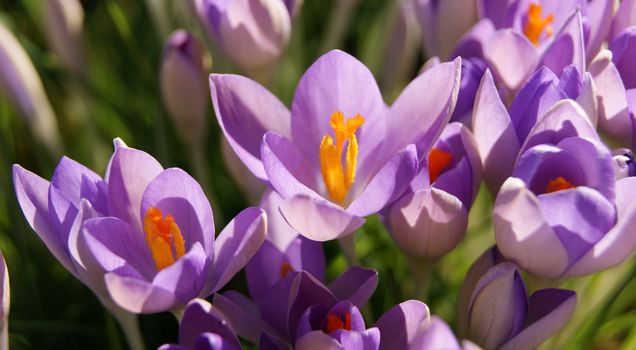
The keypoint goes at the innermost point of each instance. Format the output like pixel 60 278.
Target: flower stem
pixel 421 271
pixel 130 325
pixel 348 246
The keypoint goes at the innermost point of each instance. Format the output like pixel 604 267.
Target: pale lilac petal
pixel 444 22
pixel 388 184
pixel 567 46
pixel 400 324
pixel 588 99
pixel 131 171
pixel 138 296
pixel 496 139
pixel 317 340
pixel 305 254
pixel 437 336
pixel 62 213
pixel 511 56
pixel 201 317
pixel 549 311
pixel 502 13
pixel 178 194
pixel 245 111
pixel 521 231
pixel 473 43
pixel 236 245
pixel 364 340
pixel 278 231
pixel 319 220
pixel 428 223
pixel 599 16
pixel 357 284
pixel 67 178
pixel 242 314
pixel 625 17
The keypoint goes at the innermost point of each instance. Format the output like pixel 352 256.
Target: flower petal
pixel 242 313
pixel 400 324
pixel 278 231
pixel 357 284
pixel 511 56
pixel 437 336
pixel 567 47
pixel 317 340
pixel 201 317
pixel 245 111
pixel 67 178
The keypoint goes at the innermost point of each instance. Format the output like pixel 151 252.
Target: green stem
pixel 178 314
pixel 421 271
pixel 338 23
pixel 130 325
pixel 348 246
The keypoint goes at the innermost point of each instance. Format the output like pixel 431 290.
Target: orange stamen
pixel 438 160
pixel 285 269
pixel 558 184
pixel 163 237
pixel 537 25
pixel 334 322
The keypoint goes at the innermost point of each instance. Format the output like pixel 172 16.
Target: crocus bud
pixel 444 23
pixel 64 22
pixel 431 221
pixel 496 313
pixel 183 85
pixel 624 163
pixel 252 33
pixel 21 83
pixel 6 301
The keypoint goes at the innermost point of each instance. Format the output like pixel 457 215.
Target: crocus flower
pixel 5 297
pixel 495 311
pixel 282 252
pixel 64 26
pixel 432 220
pixel 275 318
pixel 252 33
pixel 183 86
pixel 20 82
pixel 142 238
pixel 338 327
pixel 337 110
pixel 562 200
pixel 204 327
pixel 444 22
pixel 500 132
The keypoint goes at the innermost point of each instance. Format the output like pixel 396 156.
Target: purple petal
pixel 138 296
pixel 270 342
pixel 437 336
pixel 494 134
pixel 588 98
pixel 245 111
pixel 306 291
pixel 319 220
pixel 264 269
pixel 521 230
pixel 67 178
pixel 278 231
pixel 625 17
pixel 502 13
pixel 357 284
pixel 473 42
pixel 242 314
pixel 428 223
pixel 443 23
pixel 336 82
pixel 387 185
pixel 567 46
pixel 344 307
pixel 400 324
pixel 317 340
pixel 130 173
pixel 548 311
pixel 623 48
pixel 201 317
pixel 210 341
pixel 312 319
pixel 364 340
pixel 599 16
pixel 176 193
pixel 236 245
pixel 305 254
pixel 511 56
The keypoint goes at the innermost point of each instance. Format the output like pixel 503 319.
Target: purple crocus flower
pixel 204 327
pixel 142 238
pixel 430 221
pixel 337 110
pixel 64 25
pixel 562 199
pixel 275 318
pixel 283 251
pixel 501 132
pixel 338 327
pixel 252 33
pixel 495 312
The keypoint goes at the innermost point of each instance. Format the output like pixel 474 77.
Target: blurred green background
pixel 120 97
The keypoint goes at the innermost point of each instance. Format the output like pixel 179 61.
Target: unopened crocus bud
pixel 252 33
pixel 431 221
pixel 64 23
pixel 21 83
pixel 183 86
pixel 444 23
pixel 6 301
pixel 496 313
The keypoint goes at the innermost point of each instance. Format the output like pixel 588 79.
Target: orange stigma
pixel 438 160
pixel 558 184
pixel 537 25
pixel 338 178
pixel 163 237
pixel 285 269
pixel 334 322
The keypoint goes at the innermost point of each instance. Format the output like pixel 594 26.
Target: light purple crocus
pixel 501 132
pixel 142 238
pixel 337 109
pixel 64 22
pixel 430 221
pixel 495 311
pixel 563 201
pixel 282 252
pixel 182 78
pixel 204 327
pixel 252 33
pixel 273 321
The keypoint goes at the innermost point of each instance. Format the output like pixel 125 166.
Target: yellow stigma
pixel 163 237
pixel 339 179
pixel 536 25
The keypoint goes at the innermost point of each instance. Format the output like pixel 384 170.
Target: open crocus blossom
pixel 204 327
pixel 252 33
pixel 275 318
pixel 563 200
pixel 142 238
pixel 495 312
pixel 341 154
pixel 430 221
